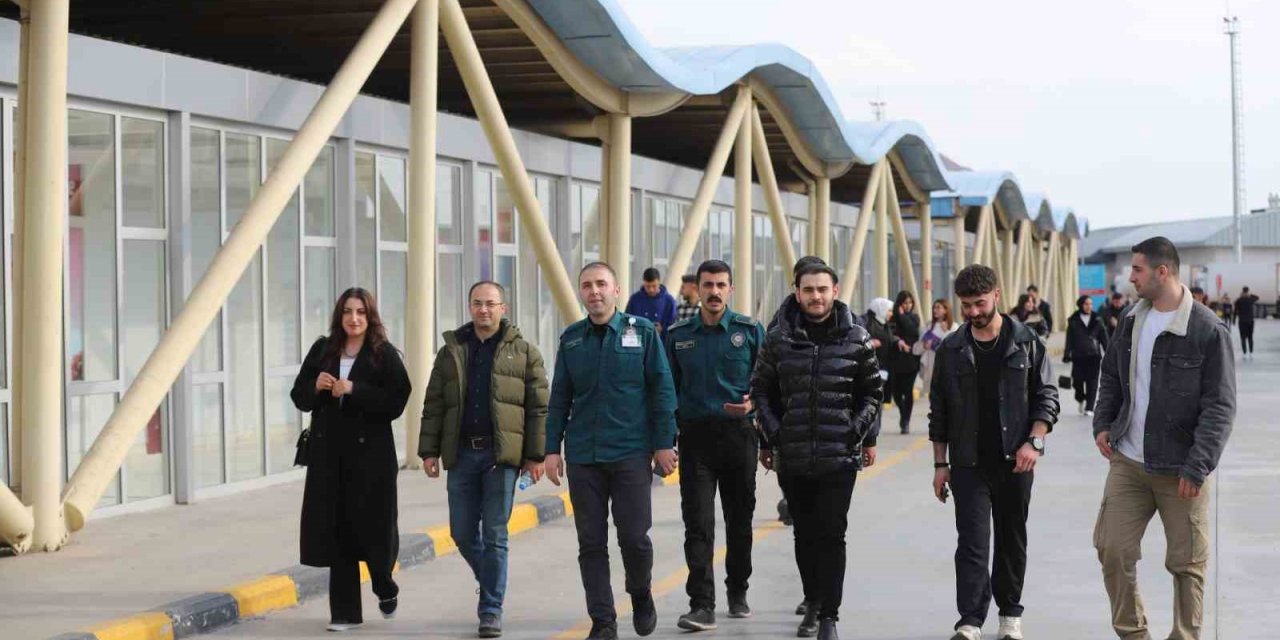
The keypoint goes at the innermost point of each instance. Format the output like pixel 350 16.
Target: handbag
pixel 1064 382
pixel 301 457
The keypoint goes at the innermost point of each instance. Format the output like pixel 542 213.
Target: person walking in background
pixel 1200 296
pixel 904 364
pixel 354 384
pixel 1228 310
pixel 484 420
pixel 1028 313
pixel 712 356
pixel 818 390
pixel 992 406
pixel 1117 307
pixel 1165 410
pixel 876 321
pixel 689 299
pixel 652 302
pixel 941 324
pixel 1042 305
pixel 1086 342
pixel 1244 307
pixel 612 410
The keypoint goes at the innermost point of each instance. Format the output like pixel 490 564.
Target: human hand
pixel 431 466
pixel 868 456
pixel 875 344
pixel 664 461
pixel 324 382
pixel 741 409
pixel 554 466
pixel 534 469
pixel 1104 444
pixel 1187 489
pixel 341 388
pixel 941 478
pixel 766 459
pixel 1026 458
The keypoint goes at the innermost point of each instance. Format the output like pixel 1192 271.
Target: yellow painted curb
pixel 672 479
pixel 144 626
pixel 442 540
pixel 568 504
pixel 264 595
pixel 523 518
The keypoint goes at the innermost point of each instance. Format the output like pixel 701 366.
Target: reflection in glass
pixel 142 173
pixel 391 295
pixel 86 416
pixel 320 293
pixel 142 324
pixel 448 205
pixel 91 279
pixel 283 424
pixel 449 293
pixel 366 223
pixel 317 188
pixel 284 322
pixel 244 375
pixel 206 405
pixel 392 199
pixel 206 233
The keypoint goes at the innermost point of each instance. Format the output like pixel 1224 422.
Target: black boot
pixel 827 630
pixel 738 607
pixel 802 608
pixel 602 631
pixel 809 625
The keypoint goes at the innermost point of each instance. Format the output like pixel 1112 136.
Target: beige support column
pixel 900 239
pixel 926 255
pixel 980 238
pixel 618 238
pixel 1050 273
pixel 743 224
pixel 19 215
pixel 44 222
pixel 602 216
pixel 1006 255
pixel 696 220
pixel 484 100
pixel 958 236
pixel 772 195
pixel 109 449
pixel 822 219
pixel 882 237
pixel 16 522
pixel 853 265
pixel 1020 255
pixel 424 74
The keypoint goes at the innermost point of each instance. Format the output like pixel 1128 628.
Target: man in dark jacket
pixel 485 417
pixel 1165 409
pixel 1086 340
pixel 652 302
pixel 1114 311
pixel 992 403
pixel 1244 318
pixel 818 389
pixel 1042 305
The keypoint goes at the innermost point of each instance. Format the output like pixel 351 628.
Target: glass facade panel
pixel 392 201
pixel 391 294
pixel 448 205
pixel 317 189
pixel 483 198
pixel 450 292
pixel 4 442
pixel 86 416
pixel 284 321
pixel 207 440
pixel 142 324
pixel 366 222
pixel 243 172
pixel 284 422
pixel 91 276
pixel 142 172
pixel 206 232
pixel 320 295
pixel 244 375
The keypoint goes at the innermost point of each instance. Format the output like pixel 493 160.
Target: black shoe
pixel 827 630
pixel 802 608
pixel 809 626
pixel 784 513
pixel 738 607
pixel 905 429
pixel 388 607
pixel 490 625
pixel 603 631
pixel 699 619
pixel 644 615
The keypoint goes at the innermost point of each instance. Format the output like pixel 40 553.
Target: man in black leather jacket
pixel 992 402
pixel 817 390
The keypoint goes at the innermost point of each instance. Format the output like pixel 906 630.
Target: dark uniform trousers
pixel 986 494
pixel 717 454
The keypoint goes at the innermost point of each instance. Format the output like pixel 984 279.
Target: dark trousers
pixel 627 485
pixel 717 454
pixel 1246 336
pixel 344 573
pixel 820 515
pixel 1084 377
pixel 902 386
pixel 984 495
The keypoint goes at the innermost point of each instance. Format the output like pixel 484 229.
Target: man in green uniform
pixel 612 408
pixel 712 355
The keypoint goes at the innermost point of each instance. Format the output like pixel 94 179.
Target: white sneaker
pixel 1082 409
pixel 1010 628
pixel 1088 414
pixel 341 626
pixel 967 632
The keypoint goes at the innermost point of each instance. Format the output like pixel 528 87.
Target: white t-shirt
pixel 1131 444
pixel 344 367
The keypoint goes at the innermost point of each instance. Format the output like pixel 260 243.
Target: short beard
pixel 983 321
pixel 817 319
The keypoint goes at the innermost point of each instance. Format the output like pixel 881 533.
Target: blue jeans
pixel 481 493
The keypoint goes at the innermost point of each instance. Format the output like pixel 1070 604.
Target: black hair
pixel 903 296
pixel 806 261
pixel 714 266
pixel 1032 287
pixel 1195 290
pixel 688 278
pixel 502 292
pixel 975 280
pixel 1244 291
pixel 1159 252
pixel 651 275
pixel 813 268
pixel 598 265
pixel 1117 296
pixel 1080 302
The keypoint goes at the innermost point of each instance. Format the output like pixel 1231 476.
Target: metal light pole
pixel 1237 136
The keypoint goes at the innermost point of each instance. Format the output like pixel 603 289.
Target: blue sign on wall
pixel 1093 283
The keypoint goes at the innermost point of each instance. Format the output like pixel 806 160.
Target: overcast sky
pixel 1119 108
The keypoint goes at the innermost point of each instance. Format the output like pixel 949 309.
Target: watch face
pixel 1037 444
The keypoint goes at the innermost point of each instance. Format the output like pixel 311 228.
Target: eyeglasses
pixel 485 304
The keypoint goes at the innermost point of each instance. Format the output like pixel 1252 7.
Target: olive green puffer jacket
pixel 518 393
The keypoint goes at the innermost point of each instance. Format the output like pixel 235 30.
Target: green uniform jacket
pixel 518 395
pixel 611 399
pixel 712 365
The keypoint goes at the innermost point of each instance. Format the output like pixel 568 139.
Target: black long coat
pixel 349 505
pixel 905 327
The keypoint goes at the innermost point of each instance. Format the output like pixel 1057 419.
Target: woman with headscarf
pixel 876 322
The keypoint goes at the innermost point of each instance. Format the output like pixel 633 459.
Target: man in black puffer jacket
pixel 817 388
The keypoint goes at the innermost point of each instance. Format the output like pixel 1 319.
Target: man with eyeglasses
pixel 485 419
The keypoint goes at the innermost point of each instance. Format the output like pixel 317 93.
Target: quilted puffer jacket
pixel 817 402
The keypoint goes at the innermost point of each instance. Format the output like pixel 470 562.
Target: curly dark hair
pixel 975 280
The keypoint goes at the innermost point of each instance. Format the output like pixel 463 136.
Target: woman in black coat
pixel 904 365
pixel 1086 341
pixel 354 384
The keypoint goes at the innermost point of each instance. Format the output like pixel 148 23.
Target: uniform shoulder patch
pixel 747 320
pixel 683 323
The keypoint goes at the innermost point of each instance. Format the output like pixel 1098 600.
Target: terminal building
pixel 541 135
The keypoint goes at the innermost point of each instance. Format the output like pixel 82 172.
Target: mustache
pixel 715 299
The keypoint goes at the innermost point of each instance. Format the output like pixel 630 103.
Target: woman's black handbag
pixel 300 458
pixel 1064 382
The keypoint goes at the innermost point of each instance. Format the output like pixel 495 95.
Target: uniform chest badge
pixel 738 339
